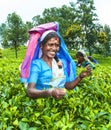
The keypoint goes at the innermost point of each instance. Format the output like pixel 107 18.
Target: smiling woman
pixel 45 72
pixel 52 69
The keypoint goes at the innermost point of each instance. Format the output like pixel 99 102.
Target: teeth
pixel 52 52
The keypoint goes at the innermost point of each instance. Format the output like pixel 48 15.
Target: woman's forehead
pixel 54 39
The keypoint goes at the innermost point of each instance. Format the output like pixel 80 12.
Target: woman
pixel 48 76
pixel 83 60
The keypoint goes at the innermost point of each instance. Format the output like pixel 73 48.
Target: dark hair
pixel 49 36
pixel 57 60
pixel 79 54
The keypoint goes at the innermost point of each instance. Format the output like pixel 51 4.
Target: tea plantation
pixel 86 108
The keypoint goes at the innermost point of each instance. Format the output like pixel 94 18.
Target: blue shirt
pixel 41 74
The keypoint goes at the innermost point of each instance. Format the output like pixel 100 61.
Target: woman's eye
pixel 50 44
pixel 57 45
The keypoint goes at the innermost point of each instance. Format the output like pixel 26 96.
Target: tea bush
pixel 88 107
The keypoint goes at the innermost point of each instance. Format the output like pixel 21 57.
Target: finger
pixel 89 73
pixel 59 96
pixel 89 70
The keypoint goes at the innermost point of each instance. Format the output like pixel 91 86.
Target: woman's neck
pixel 48 61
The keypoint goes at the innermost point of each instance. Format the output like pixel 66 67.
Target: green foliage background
pixel 88 107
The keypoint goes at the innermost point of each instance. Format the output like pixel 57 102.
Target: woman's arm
pixel 56 92
pixel 71 85
pixel 32 92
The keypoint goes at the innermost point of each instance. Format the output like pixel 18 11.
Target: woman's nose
pixel 54 47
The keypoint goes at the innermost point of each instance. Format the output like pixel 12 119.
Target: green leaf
pixel 47 119
pixel 15 122
pixel 32 128
pixel 55 116
pixel 25 120
pixel 9 128
pixel 23 126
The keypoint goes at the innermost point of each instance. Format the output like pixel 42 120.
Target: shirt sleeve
pixel 34 72
pixel 88 63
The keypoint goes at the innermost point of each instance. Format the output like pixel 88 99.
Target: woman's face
pixel 50 49
pixel 80 59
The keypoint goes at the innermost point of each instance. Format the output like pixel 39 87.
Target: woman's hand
pixel 86 73
pixel 58 92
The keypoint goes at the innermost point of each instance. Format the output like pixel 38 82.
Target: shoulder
pixel 85 63
pixel 89 63
pixel 36 64
pixel 40 64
